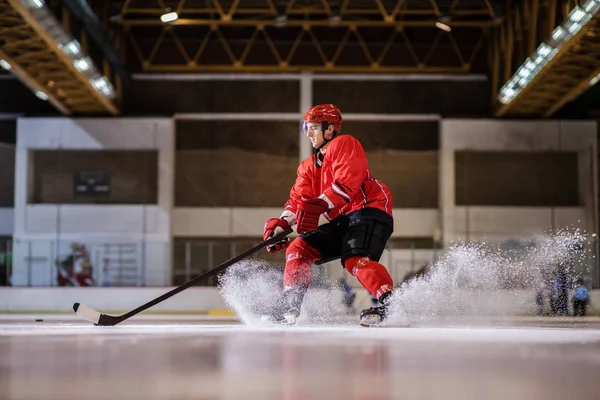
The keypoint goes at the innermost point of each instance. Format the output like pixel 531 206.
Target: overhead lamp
pixel 41 95
pixel 280 21
pixel 576 19
pixel 443 26
pixel 169 16
pixel 591 7
pixel 442 23
pixel 72 49
pixel 33 3
pixel 83 64
pixel 334 17
pixel 102 85
pixel 5 65
pixel 595 80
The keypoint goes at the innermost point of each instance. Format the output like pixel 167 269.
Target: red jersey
pixel 343 180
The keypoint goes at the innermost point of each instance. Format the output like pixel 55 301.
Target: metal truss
pixel 564 78
pixel 36 60
pixel 379 36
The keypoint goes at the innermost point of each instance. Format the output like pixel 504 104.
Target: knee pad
pixel 353 264
pixel 299 258
pixel 373 276
pixel 300 249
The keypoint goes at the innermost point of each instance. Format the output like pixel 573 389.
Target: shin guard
pixel 298 266
pixel 372 275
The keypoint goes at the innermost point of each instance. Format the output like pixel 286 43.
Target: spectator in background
pixel 561 292
pixel 581 298
pixel 348 295
pixel 539 301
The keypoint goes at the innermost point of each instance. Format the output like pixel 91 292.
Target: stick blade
pixel 87 313
pixel 94 316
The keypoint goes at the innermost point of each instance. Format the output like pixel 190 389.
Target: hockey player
pixel 336 182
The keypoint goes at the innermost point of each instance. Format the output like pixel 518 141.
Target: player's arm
pixel 349 165
pixel 302 188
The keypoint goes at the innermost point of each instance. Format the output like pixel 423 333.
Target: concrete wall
pixel 501 223
pixel 42 230
pixel 7 221
pixel 237 221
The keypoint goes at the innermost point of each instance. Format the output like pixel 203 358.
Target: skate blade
pixel 370 321
pixel 287 320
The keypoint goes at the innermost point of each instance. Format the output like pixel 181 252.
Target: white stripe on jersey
pixel 364 195
pixel 383 191
pixel 340 192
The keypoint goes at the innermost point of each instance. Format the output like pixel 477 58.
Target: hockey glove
pixel 273 226
pixel 308 213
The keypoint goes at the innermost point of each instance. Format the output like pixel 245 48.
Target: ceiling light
pixel 72 49
pixel 41 95
pixel 34 3
pixel 82 64
pixel 442 23
pixel 102 85
pixel 591 6
pixel 4 65
pixel 169 17
pixel 280 21
pixel 443 26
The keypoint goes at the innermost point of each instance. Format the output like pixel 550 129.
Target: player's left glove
pixel 274 226
pixel 308 212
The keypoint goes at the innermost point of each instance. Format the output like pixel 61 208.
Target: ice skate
pixel 374 316
pixel 287 309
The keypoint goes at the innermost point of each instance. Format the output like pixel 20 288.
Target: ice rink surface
pixel 153 357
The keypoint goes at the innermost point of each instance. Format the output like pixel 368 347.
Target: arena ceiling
pixel 493 37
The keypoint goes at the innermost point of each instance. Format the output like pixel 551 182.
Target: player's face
pixel 314 132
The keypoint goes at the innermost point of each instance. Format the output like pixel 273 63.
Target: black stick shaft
pixel 211 272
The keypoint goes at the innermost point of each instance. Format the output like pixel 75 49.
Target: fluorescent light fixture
pixel 82 64
pixel 576 19
pixel 72 49
pixel 558 33
pixel 169 17
pixel 33 3
pixel 573 27
pixel 443 26
pixel 591 6
pixel 102 85
pixel 4 65
pixel 577 14
pixel 544 50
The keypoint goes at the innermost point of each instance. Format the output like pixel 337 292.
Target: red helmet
pixel 325 113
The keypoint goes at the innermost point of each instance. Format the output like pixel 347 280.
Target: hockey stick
pixel 109 320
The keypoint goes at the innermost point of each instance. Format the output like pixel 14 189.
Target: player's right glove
pixel 274 226
pixel 308 213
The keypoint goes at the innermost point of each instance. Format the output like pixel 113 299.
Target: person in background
pixel 561 291
pixel 581 298
pixel 348 295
